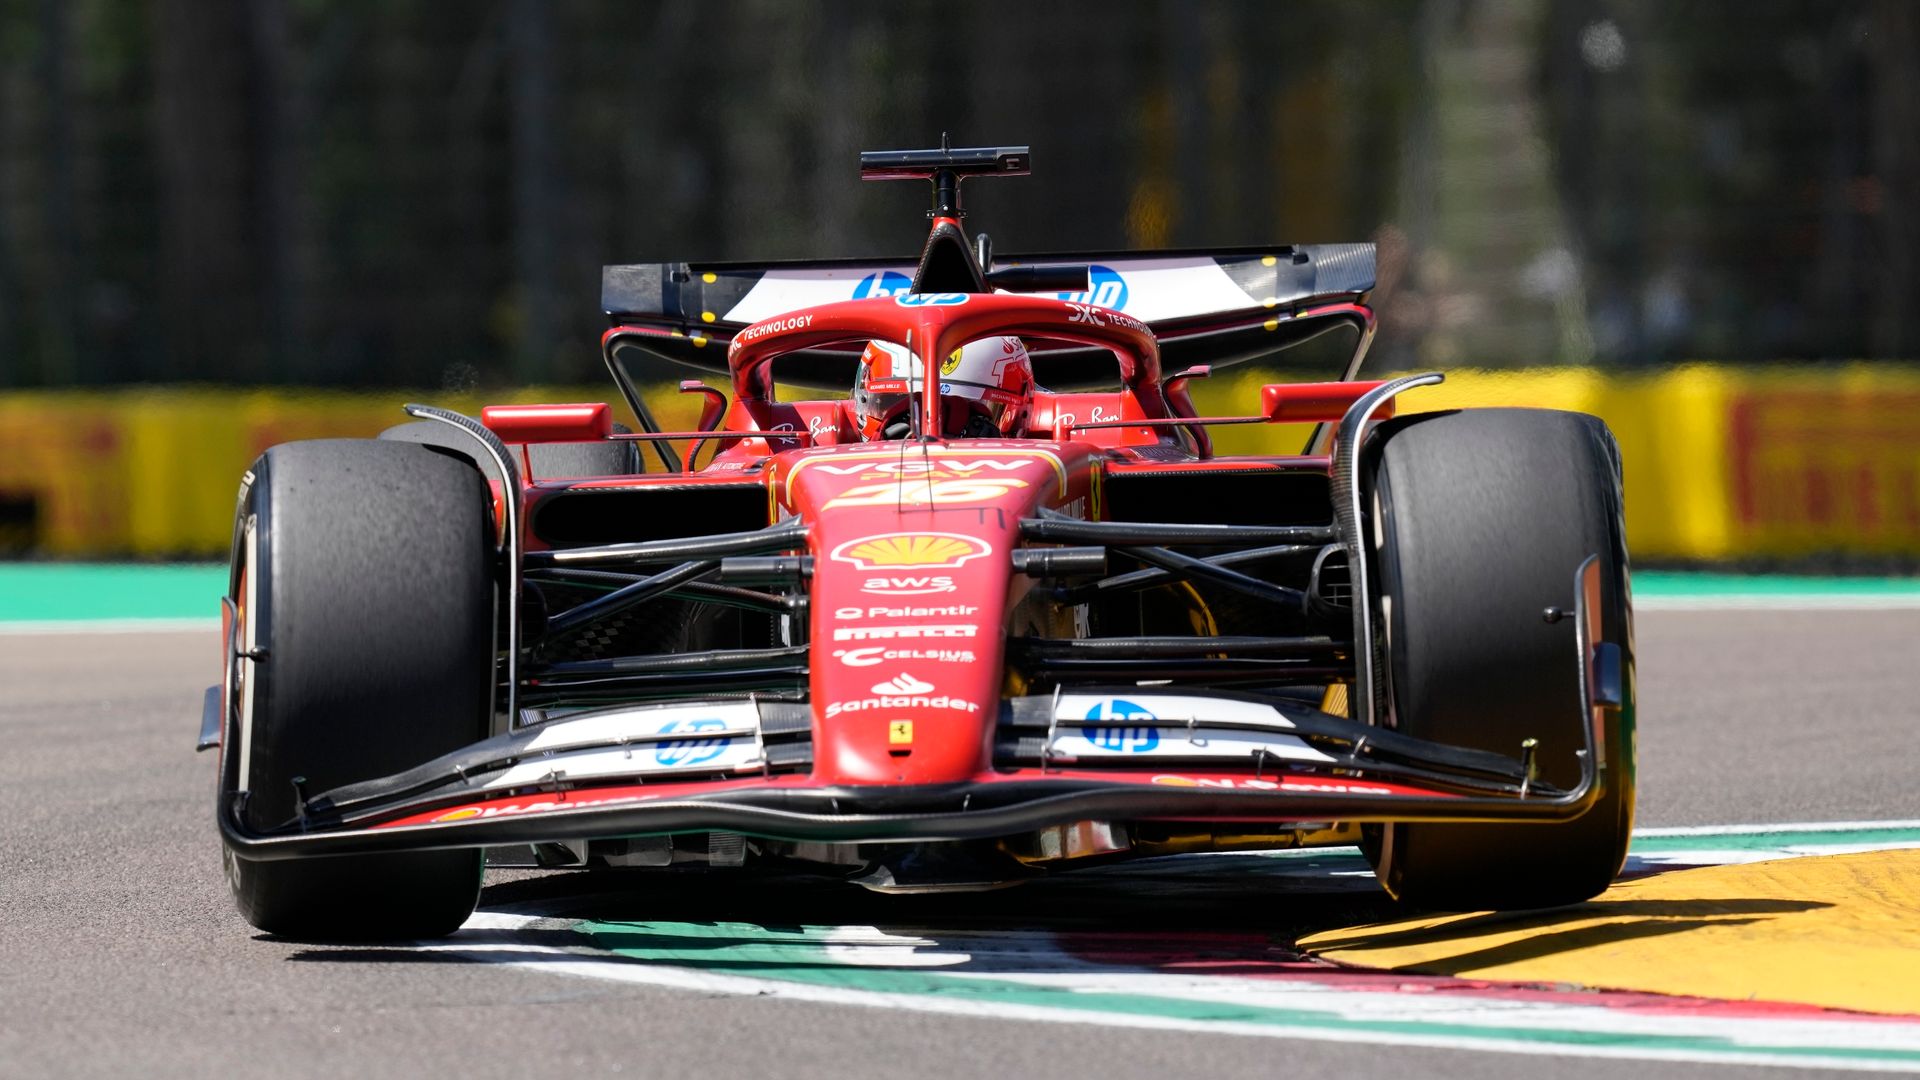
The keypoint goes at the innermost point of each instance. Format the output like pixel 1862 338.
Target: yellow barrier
pixel 155 472
pixel 1720 462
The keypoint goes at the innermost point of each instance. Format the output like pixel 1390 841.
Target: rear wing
pixel 1214 307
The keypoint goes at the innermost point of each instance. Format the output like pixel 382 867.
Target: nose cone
pixel 912 577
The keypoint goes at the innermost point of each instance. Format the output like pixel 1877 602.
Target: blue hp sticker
pixel 1118 732
pixel 691 751
pixel 885 283
pixel 1105 288
pixel 931 299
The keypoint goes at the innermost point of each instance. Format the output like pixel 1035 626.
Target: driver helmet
pixel 986 390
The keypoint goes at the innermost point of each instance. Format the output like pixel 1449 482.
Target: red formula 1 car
pixel 983 620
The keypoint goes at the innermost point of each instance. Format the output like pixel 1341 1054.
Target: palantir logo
pixel 691 751
pixel 1105 288
pixel 885 283
pixel 1118 731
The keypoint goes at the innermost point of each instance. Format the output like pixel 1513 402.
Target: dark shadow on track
pixel 1241 894
pixel 1234 912
pixel 1220 915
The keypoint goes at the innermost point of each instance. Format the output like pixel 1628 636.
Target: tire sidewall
pixel 297 708
pixel 1521 865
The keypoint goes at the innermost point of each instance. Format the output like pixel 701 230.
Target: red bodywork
pixel 914 589
pixel 913 537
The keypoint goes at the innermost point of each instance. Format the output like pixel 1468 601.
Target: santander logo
pixel 903 691
pixel 902 684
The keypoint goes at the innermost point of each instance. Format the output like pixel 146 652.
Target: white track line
pixel 37 627
pixel 1385 1007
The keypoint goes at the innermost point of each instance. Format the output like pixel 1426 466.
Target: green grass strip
pixel 33 592
pixel 1767 841
pixel 1665 584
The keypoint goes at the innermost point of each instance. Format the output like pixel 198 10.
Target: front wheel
pixel 365 593
pixel 1480 519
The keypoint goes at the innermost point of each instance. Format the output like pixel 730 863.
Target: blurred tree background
pixel 421 192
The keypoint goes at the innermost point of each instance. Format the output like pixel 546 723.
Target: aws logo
pixel 908 584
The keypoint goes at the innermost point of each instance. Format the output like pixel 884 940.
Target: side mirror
pixel 585 422
pixel 1294 403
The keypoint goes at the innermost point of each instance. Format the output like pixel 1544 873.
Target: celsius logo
pixel 885 283
pixel 1117 733
pixel 875 655
pixel 1106 288
pixel 931 299
pixel 902 683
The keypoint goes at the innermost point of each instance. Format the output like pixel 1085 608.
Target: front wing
pixel 741 767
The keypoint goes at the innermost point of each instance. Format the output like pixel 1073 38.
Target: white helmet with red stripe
pixel 986 389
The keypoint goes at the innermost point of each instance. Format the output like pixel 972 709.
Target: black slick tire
pixel 1480 519
pixel 364 577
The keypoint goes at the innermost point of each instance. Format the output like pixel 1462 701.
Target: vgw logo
pixel 886 283
pixel 691 751
pixel 1105 288
pixel 1117 732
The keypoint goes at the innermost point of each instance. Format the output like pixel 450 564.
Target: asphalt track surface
pixel 121 954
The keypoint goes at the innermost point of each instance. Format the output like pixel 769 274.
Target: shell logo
pixel 921 551
pixel 461 814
